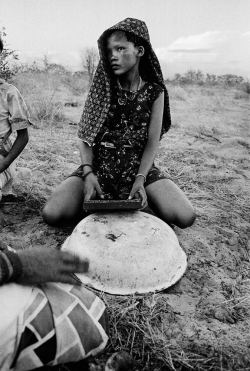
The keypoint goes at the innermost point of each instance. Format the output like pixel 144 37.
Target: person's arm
pixel 86 154
pixel 91 184
pixel 150 150
pixel 39 265
pixel 19 120
pixel 18 146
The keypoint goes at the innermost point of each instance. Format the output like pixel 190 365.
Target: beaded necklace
pixel 125 95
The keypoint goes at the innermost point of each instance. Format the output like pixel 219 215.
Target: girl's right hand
pixel 92 187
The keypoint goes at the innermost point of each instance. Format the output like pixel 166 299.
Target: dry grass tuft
pixel 140 326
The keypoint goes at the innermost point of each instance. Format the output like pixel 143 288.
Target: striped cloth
pixel 49 325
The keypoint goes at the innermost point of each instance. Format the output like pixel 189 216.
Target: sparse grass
pixel 46 109
pixel 46 93
pixel 178 93
pixel 140 325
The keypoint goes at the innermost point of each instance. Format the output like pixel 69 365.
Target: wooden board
pixel 109 205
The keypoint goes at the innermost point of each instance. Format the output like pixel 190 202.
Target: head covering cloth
pixel 99 97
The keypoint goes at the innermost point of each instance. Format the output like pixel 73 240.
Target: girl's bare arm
pixel 91 184
pixel 150 150
pixel 86 154
pixel 154 133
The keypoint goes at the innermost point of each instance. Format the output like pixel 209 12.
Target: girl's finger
pixel 131 195
pixel 99 191
pixel 87 197
pixel 138 195
pixel 144 196
pixel 144 201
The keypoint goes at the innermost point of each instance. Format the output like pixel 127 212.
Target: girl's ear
pixel 141 51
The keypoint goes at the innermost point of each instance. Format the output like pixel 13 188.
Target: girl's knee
pixel 186 219
pixel 57 216
pixel 50 215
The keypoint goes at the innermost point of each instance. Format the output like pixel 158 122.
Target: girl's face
pixel 123 55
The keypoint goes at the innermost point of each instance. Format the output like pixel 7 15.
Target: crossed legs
pixel 164 197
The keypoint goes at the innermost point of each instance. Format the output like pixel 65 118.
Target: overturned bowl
pixel 128 252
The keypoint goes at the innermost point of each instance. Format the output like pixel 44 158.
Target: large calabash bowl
pixel 129 252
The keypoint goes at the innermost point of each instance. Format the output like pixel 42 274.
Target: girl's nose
pixel 113 56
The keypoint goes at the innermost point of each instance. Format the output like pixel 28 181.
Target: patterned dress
pixel 120 142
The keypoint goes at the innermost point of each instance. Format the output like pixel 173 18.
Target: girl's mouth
pixel 115 66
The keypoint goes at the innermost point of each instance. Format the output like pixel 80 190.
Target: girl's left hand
pixel 138 191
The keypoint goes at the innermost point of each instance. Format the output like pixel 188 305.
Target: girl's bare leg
pixel 169 203
pixel 65 204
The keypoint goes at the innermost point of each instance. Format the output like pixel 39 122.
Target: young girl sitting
pixel 125 116
pixel 14 116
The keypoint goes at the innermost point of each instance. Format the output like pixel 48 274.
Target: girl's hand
pixel 138 191
pixel 92 187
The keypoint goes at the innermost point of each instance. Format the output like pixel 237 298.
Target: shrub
pixel 6 58
pixel 46 109
pixel 246 87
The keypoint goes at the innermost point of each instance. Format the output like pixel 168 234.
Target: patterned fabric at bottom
pixel 59 324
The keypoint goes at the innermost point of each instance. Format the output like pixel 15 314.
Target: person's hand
pixel 138 191
pixel 42 265
pixel 92 187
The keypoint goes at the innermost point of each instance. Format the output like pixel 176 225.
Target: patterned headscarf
pixel 98 100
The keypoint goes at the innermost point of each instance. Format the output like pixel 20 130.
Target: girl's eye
pixel 120 48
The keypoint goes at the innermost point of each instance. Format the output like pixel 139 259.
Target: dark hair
pixel 1 45
pixel 136 40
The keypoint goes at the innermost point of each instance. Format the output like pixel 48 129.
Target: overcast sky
pixel 211 35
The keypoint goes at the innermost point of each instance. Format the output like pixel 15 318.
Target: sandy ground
pixel 205 317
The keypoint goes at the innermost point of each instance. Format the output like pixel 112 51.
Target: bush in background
pixel 6 58
pixel 47 88
pixel 193 77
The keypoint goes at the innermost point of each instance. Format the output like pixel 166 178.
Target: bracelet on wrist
pixel 85 175
pixel 87 170
pixel 16 264
pixel 83 165
pixel 6 269
pixel 139 174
